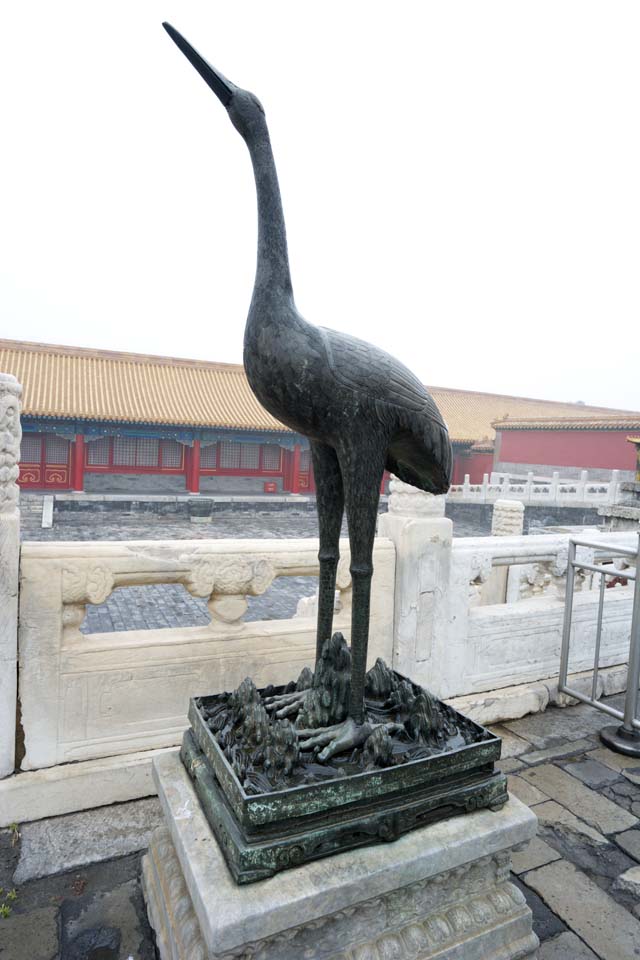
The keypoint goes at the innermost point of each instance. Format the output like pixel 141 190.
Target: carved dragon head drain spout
pixel 361 409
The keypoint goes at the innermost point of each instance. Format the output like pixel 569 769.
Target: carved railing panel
pixel 97 694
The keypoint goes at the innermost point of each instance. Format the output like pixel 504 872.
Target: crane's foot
pixel 286 704
pixel 328 741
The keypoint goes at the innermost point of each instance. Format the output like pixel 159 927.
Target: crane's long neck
pixel 272 271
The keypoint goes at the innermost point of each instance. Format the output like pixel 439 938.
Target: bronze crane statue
pixel 361 409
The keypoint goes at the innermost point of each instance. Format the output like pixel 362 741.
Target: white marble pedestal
pixel 439 892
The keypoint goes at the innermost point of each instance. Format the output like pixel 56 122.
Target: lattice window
pixel 147 452
pixel 98 452
pixel 124 451
pixel 30 448
pixel 170 454
pixel 229 455
pixel 209 456
pixel 271 457
pixel 305 461
pixel 56 450
pixel 250 456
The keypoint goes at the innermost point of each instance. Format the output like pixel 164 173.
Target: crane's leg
pixel 362 472
pixel 362 468
pixel 330 505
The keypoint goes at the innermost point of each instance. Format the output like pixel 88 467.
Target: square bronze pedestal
pixel 264 833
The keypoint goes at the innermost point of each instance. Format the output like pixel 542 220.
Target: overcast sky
pixel 461 182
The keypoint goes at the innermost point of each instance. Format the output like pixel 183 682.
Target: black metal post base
pixel 620 740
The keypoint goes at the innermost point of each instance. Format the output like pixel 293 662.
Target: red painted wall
pixel 569 448
pixel 475 464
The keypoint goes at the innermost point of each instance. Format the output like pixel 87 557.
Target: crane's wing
pixel 367 369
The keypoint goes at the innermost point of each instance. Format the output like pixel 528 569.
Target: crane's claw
pixel 328 741
pixel 286 704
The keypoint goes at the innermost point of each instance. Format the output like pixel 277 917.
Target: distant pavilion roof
pixel 618 421
pixel 78 383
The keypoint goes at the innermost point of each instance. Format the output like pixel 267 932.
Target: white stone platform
pixel 438 892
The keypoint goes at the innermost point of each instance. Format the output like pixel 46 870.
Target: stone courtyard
pixel 77 877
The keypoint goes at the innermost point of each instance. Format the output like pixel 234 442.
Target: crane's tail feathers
pixel 428 468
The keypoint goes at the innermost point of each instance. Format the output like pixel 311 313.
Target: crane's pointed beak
pixel 222 87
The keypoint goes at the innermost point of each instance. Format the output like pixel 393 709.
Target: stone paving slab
pixel 600 813
pixel 605 926
pixel 525 791
pixel 628 766
pixel 536 854
pixel 592 773
pixel 630 843
pixel 60 843
pixel 564 749
pixel 565 947
pixel 30 936
pixel 512 746
pixel 551 813
pixel 553 726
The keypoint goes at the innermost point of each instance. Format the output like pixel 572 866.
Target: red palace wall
pixel 607 449
pixel 475 464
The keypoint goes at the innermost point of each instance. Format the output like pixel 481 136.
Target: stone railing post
pixel 10 435
pixel 485 487
pixel 529 486
pixel 422 536
pixel 581 486
pixel 503 583
pixel 613 486
pixel 555 480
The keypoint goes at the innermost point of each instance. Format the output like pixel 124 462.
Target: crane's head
pixel 244 109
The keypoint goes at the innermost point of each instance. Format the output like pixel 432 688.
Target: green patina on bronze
pixel 261 834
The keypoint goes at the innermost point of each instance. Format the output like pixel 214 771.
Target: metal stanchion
pixel 626 737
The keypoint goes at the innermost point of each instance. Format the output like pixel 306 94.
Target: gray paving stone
pixel 565 947
pixel 628 766
pixel 599 812
pixel 510 765
pixel 605 926
pixel 564 749
pixel 525 791
pixel 536 854
pixel 594 774
pixel 116 914
pixel 545 923
pixel 512 746
pixel 555 724
pixel 59 843
pixel 554 815
pixel 30 936
pixel 624 793
pixel 629 840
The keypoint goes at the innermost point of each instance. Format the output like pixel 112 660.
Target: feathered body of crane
pixel 361 409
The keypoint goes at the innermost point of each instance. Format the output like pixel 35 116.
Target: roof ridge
pixel 28 346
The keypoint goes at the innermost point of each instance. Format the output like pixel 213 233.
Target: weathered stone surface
pixel 561 750
pixel 600 813
pixel 57 844
pixel 556 725
pixel 554 814
pixel 30 936
pixel 525 791
pixel 504 704
pixel 628 766
pixel 629 882
pixel 608 929
pixel 630 842
pixel 10 433
pixel 98 916
pixel 510 765
pixel 565 947
pixel 625 793
pixel 512 746
pixel 591 772
pixel 70 787
pixel 536 854
pixel 59 580
pixel 396 896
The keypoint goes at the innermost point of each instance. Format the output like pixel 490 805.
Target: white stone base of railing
pixel 442 891
pixel 70 787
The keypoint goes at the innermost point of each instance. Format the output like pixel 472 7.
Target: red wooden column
pixel 193 468
pixel 77 474
pixel 295 469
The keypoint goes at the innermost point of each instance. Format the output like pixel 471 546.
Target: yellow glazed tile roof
pixel 80 383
